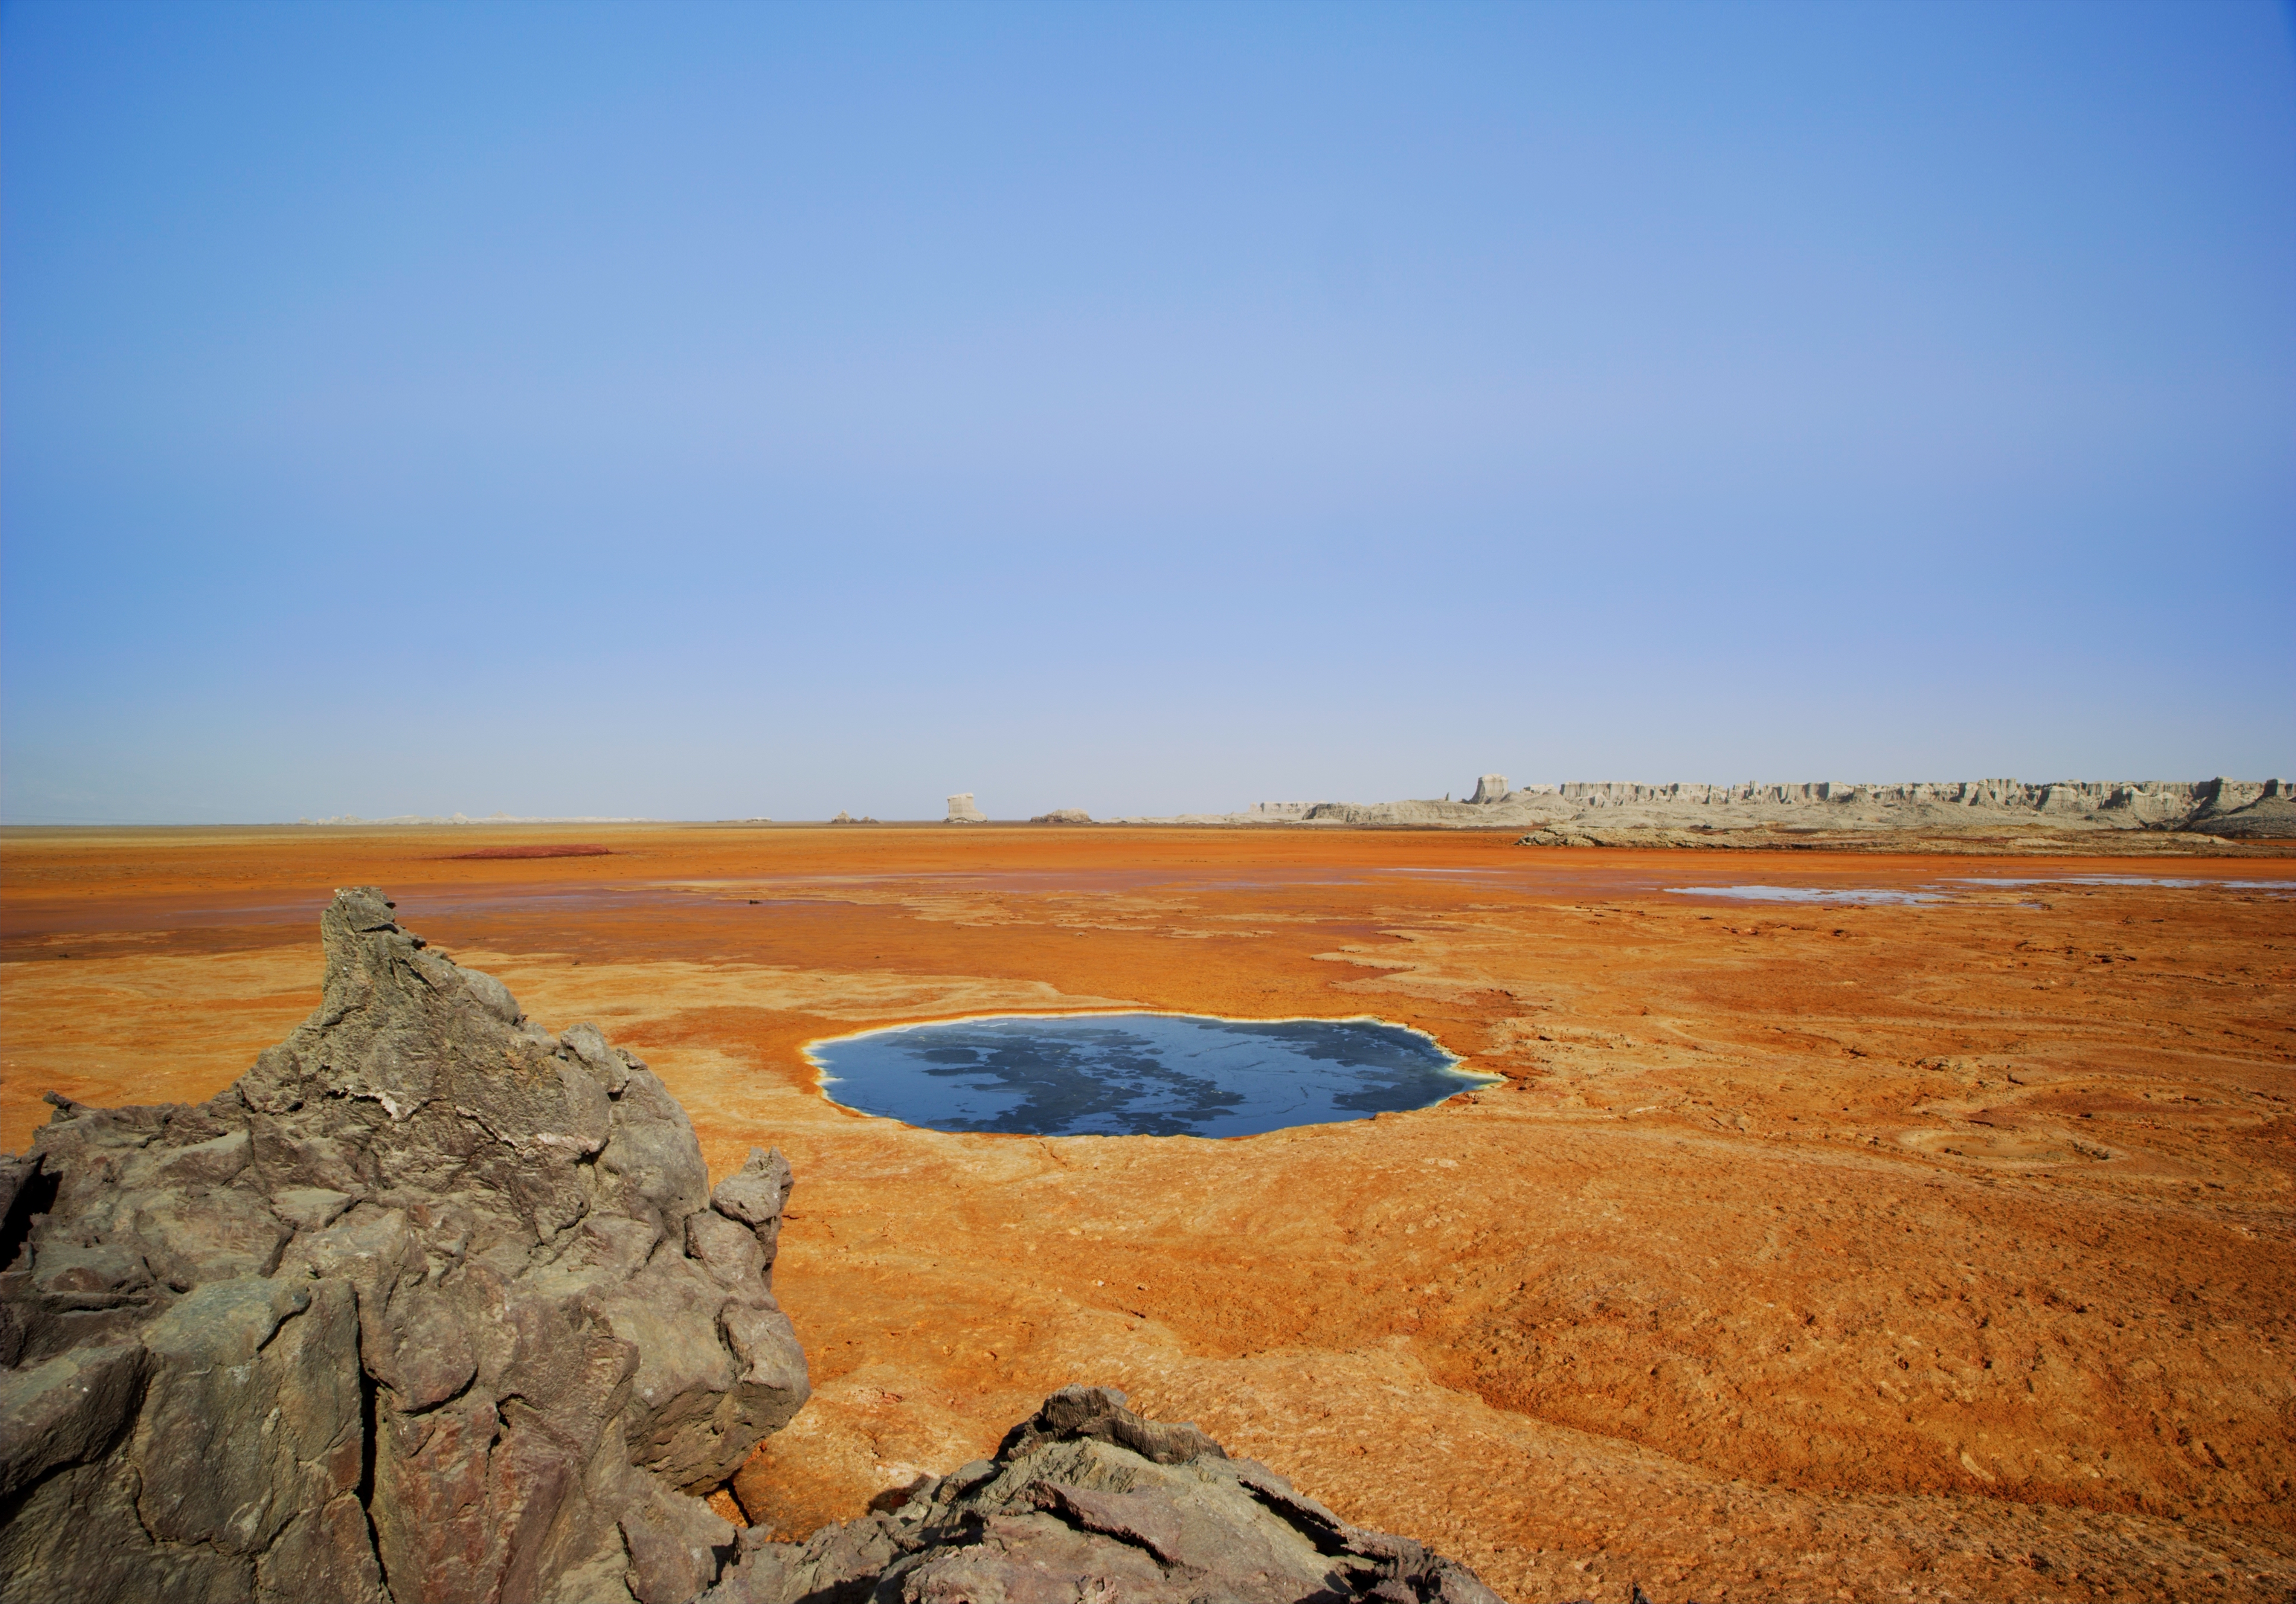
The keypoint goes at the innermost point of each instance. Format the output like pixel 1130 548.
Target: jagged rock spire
pixel 430 1305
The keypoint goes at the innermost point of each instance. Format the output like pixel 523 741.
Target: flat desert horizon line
pixel 1490 791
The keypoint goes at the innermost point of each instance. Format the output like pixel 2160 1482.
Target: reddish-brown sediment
pixel 1878 1252
pixel 565 849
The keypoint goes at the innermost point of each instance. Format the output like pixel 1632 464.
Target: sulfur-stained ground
pixel 1808 1250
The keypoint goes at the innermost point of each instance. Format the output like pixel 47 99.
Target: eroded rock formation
pixel 1062 816
pixel 1087 1500
pixel 962 810
pixel 2138 804
pixel 430 1305
pixel 1610 814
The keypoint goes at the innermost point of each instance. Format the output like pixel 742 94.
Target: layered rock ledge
pixel 430 1305
pixel 2194 814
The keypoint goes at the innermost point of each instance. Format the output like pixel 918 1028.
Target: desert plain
pixel 1813 1250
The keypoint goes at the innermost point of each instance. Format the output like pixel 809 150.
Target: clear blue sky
pixel 698 411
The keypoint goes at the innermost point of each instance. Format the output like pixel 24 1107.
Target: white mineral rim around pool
pixel 1138 1072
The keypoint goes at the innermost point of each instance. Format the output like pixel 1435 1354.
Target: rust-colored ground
pixel 1809 1252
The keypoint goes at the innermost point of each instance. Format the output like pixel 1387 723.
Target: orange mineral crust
pixel 1808 1250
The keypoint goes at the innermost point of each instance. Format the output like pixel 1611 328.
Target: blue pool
pixel 1137 1074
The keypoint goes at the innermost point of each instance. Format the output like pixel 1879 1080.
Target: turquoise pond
pixel 1137 1074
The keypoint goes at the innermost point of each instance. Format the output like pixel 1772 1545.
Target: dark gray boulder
pixel 1087 1500
pixel 430 1304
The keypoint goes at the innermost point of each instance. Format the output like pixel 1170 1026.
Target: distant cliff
pixel 2226 809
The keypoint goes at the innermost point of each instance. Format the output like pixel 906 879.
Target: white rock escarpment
pixel 962 811
pixel 2229 809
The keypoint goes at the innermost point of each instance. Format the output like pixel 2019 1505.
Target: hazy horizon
pixel 1005 812
pixel 727 412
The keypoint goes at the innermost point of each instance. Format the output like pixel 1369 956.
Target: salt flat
pixel 1808 1249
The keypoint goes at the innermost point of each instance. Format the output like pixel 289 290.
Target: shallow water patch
pixel 1847 896
pixel 2169 882
pixel 1137 1074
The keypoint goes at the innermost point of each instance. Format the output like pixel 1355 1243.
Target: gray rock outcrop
pixel 962 811
pixel 1062 816
pixel 1489 788
pixel 430 1305
pixel 1087 1500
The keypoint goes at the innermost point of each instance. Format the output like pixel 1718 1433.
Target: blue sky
pixel 706 411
